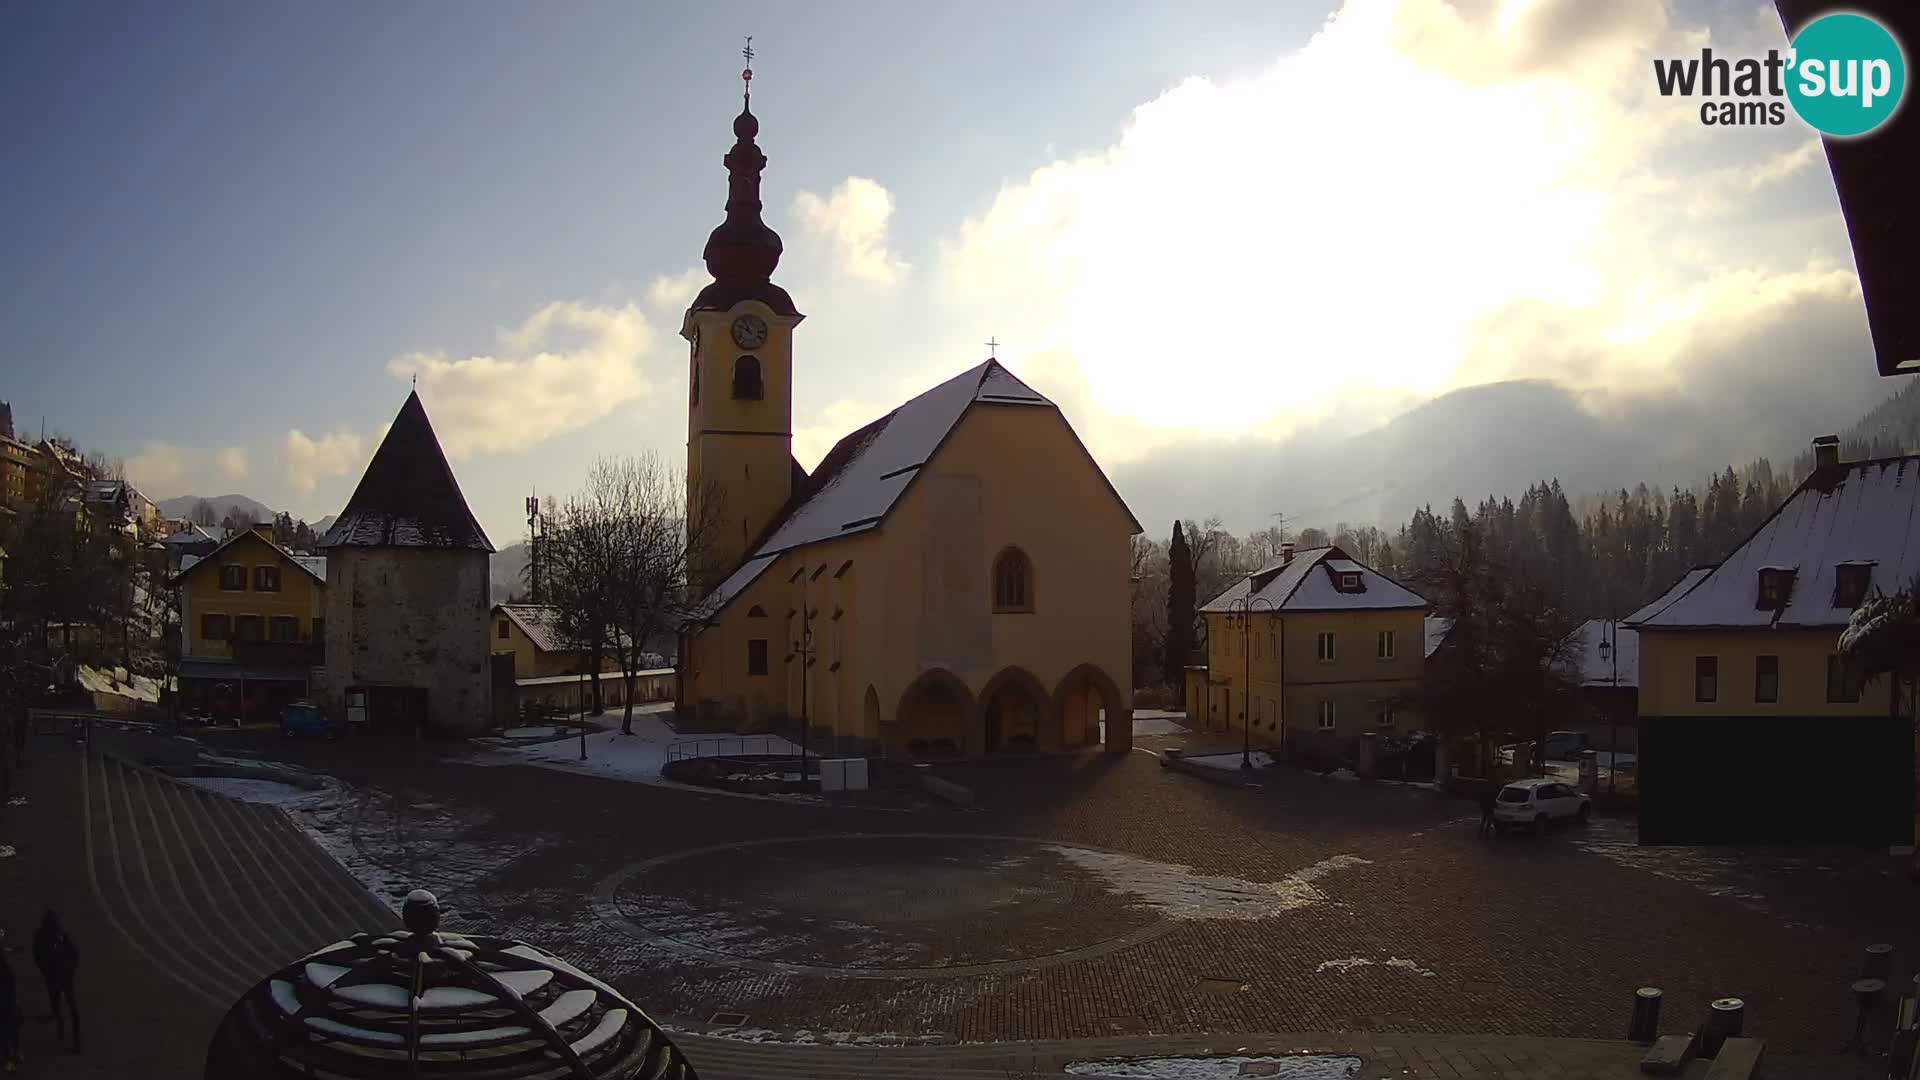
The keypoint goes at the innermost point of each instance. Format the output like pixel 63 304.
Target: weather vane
pixel 746 75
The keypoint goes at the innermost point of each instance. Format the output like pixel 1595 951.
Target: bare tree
pixel 619 554
pixel 203 513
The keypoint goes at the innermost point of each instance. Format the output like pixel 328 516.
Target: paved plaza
pixel 1090 905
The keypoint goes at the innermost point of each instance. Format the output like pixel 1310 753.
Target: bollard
pixel 1645 1026
pixel 1878 962
pixel 1866 992
pixel 1725 1019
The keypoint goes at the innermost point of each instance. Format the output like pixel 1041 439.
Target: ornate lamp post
pixel 1240 611
pixel 1609 651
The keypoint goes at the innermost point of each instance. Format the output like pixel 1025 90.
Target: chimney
pixel 1826 451
pixel 1286 552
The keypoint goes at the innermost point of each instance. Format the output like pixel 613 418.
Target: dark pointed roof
pixel 408 496
pixel 743 250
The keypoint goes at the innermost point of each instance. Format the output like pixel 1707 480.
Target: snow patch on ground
pixel 1295 1067
pixel 245 789
pixel 1149 722
pixel 1230 761
pixel 1355 963
pixel 6 851
pixel 1181 893
pixel 636 758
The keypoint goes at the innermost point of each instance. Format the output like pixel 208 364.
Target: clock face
pixel 749 331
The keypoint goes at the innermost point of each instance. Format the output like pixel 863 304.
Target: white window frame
pixel 1329 716
pixel 1383 645
pixel 1323 647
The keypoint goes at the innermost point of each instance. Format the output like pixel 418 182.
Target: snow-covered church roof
pixel 1853 513
pixel 1296 586
pixel 863 477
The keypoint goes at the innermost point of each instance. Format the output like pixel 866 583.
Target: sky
pixel 239 232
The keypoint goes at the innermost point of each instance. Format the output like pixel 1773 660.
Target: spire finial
pixel 993 349
pixel 746 75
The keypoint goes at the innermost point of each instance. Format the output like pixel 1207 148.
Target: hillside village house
pixel 252 618
pixel 1312 649
pixel 951 580
pixel 408 595
pixel 1746 707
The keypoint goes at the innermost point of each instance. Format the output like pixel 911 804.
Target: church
pixel 952 579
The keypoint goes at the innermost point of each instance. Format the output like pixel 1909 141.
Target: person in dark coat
pixel 10 1016
pixel 1487 794
pixel 58 959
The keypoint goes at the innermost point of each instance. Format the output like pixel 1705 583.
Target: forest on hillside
pixel 1591 555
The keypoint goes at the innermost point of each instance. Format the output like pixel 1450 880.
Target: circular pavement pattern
pixel 897 906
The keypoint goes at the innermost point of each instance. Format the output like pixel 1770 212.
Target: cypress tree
pixel 1180 601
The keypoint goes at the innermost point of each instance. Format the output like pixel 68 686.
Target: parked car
pixel 1567 745
pixel 1538 803
pixel 306 718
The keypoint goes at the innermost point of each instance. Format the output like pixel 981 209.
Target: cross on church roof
pixel 746 75
pixel 993 349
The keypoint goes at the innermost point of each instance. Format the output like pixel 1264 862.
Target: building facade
pixel 253 627
pixel 408 593
pixel 951 580
pixel 1748 712
pixel 1313 650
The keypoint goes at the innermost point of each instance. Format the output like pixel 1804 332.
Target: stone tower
pixel 740 373
pixel 408 593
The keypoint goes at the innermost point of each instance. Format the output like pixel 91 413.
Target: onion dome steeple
pixel 743 250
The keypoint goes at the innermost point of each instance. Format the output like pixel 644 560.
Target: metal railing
pixel 730 746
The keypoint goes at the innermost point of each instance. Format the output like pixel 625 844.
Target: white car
pixel 1539 803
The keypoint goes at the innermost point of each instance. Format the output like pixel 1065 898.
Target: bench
pixel 1738 1059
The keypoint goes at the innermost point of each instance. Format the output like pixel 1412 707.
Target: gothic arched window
pixel 746 379
pixel 1013 581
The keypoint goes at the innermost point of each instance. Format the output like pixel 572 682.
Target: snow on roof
pixel 1680 588
pixel 315 565
pixel 1294 586
pixel 882 458
pixel 541 624
pixel 1621 665
pixel 191 535
pixel 1858 511
pixel 187 562
pixel 737 581
pixel 1437 627
pixel 312 564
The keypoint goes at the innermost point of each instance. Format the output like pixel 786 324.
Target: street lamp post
pixel 804 650
pixel 1610 651
pixel 1241 609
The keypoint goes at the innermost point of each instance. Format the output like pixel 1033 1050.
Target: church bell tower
pixel 740 466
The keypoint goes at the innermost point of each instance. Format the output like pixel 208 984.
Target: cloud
pixel 231 461
pixel 309 460
pixel 1391 212
pixel 675 291
pixel 852 222
pixel 159 467
pixel 568 365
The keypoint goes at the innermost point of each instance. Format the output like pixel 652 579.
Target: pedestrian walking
pixel 1487 825
pixel 58 959
pixel 10 1013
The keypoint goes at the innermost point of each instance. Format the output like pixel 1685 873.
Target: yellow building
pixel 951 580
pixel 253 622
pixel 1315 648
pixel 1749 716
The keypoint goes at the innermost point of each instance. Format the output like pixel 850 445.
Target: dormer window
pixel 1349 582
pixel 1850 581
pixel 1776 583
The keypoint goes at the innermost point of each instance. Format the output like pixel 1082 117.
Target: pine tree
pixel 1180 604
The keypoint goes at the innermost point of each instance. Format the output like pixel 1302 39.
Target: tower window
pixel 746 379
pixel 1013 581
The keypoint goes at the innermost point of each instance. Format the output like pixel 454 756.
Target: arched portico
pixel 1016 714
pixel 935 715
pixel 1086 696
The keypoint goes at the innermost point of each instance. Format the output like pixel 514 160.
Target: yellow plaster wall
pixel 1667 665
pixel 300 596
